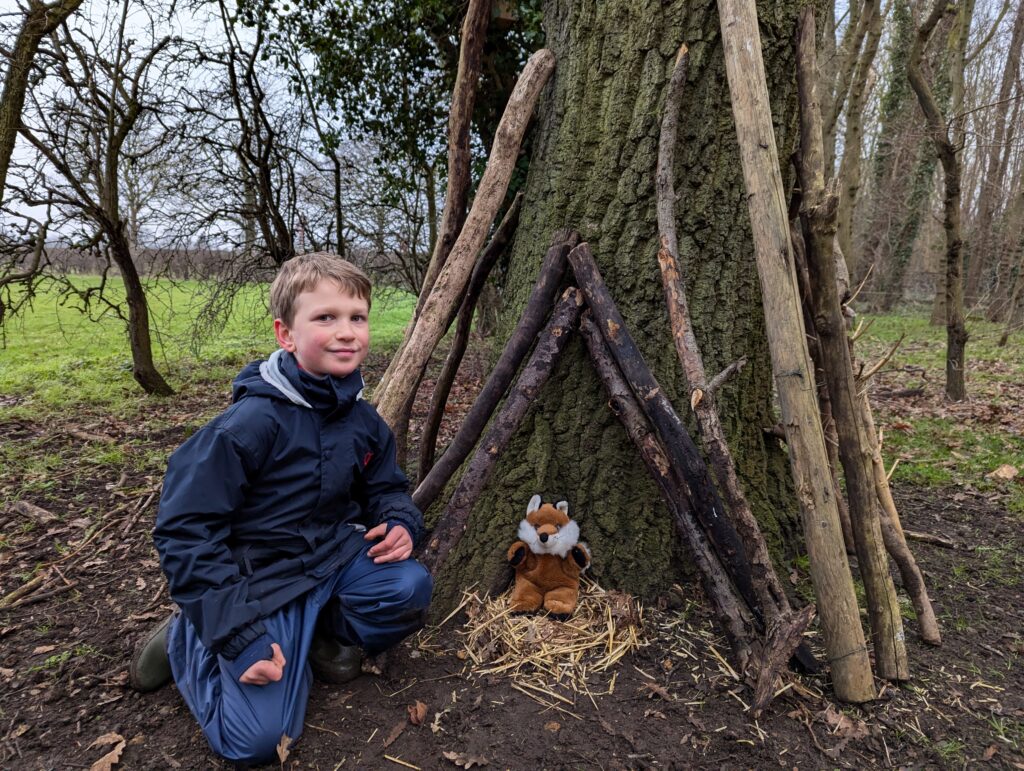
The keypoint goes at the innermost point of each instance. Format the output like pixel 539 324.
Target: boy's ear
pixel 283 335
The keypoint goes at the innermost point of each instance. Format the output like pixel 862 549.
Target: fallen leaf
pixel 554 725
pixel 282 748
pixel 417 712
pixel 109 738
pixel 19 730
pixel 844 726
pixel 6 673
pixel 989 752
pixel 107 761
pixel 1006 472
pixel 43 649
pixel 395 733
pixel 654 713
pixel 140 583
pixel 465 761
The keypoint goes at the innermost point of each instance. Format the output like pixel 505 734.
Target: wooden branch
pixel 727 607
pixel 396 390
pixel 442 388
pixel 467 77
pixel 893 534
pixel 818 215
pixel 830 571
pixel 541 299
pixel 719 380
pixel 929 538
pixel 765 582
pixel 785 634
pixel 550 346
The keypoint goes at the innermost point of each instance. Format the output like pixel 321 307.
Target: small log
pixel 733 619
pixel 766 583
pixel 785 634
pixel 25 589
pixel 442 388
pixel 406 370
pixel 682 452
pixel 541 299
pixel 759 158
pixel 818 215
pixel 550 346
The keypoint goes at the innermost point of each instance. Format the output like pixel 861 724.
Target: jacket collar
pixel 324 394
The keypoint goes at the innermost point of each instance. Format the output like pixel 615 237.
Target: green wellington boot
pixel 333 662
pixel 150 668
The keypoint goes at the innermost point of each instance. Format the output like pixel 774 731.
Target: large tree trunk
pixel 593 168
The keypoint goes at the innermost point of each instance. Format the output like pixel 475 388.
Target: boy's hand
pixel 396 546
pixel 266 671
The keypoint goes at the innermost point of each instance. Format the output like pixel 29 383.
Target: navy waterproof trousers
pixel 377 606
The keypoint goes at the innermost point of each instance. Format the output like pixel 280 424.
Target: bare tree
pixel 956 331
pixel 100 88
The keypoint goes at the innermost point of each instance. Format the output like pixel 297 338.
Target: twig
pixel 26 588
pixel 873 370
pixel 934 540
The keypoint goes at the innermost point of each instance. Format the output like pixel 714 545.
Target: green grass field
pixel 55 357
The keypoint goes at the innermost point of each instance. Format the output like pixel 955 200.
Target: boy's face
pixel 330 331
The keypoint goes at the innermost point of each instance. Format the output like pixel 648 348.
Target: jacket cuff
pixel 234 647
pixel 258 650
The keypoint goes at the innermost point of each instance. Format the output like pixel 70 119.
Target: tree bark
pixel 956 331
pixel 443 386
pixel 395 391
pixel 550 346
pixel 40 20
pixel 830 572
pixel 818 213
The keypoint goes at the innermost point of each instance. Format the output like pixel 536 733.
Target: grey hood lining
pixel 271 372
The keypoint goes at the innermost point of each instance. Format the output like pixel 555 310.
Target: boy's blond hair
pixel 302 274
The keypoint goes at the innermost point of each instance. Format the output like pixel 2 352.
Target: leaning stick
pixel 542 297
pixel 830 569
pixel 443 386
pixel 538 369
pixel 702 394
pixel 682 452
pixel 396 390
pixel 467 77
pixel 818 215
pixel 735 622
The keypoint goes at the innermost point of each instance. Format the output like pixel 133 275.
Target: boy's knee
pixel 414 586
pixel 247 738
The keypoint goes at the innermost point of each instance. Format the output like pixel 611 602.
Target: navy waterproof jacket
pixel 272 496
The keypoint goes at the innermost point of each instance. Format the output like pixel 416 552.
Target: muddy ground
pixel 65 644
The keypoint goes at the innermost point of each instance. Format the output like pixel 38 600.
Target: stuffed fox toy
pixel 548 559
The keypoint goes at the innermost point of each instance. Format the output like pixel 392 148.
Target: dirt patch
pixel 674 703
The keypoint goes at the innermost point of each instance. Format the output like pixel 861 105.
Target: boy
pixel 264 523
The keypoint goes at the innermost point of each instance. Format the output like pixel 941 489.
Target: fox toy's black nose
pixel 543 537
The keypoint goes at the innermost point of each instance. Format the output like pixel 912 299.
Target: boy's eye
pixel 359 318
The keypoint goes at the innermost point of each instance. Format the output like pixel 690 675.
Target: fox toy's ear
pixel 533 505
pixel 563 506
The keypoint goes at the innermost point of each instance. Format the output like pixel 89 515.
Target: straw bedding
pixel 545 657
